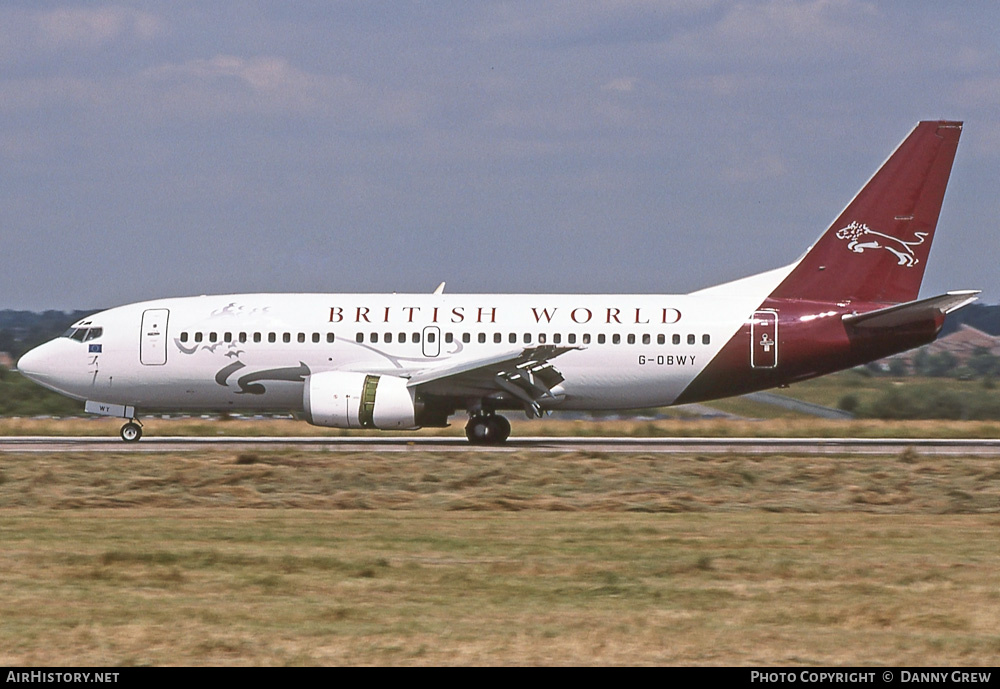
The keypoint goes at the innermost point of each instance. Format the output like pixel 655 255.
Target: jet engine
pixel 341 399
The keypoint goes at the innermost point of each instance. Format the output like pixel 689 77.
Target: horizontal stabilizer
pixel 911 311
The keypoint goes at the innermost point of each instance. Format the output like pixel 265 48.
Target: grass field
pixel 295 557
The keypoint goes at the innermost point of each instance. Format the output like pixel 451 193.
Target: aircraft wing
pixel 902 314
pixel 526 374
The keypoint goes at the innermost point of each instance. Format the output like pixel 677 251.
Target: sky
pixel 152 149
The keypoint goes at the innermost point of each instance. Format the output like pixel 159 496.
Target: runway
pixel 810 446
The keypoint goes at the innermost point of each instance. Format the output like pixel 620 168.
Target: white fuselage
pixel 253 351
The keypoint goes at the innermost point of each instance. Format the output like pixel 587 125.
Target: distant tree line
pixel 22 330
pixel 985 317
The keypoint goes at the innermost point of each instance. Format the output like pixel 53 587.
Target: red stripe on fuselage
pixel 812 341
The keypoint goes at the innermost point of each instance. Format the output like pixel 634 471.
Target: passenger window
pixel 631 339
pixel 243 337
pixel 272 337
pixel 706 339
pixel 497 338
pixel 256 337
pixel 360 337
pixel 690 339
pixel 556 338
pixel 184 337
pixel 197 337
pixel 616 339
pixel 416 338
pixel 645 338
pixel 402 337
pixel 315 337
pixel 212 337
pixel 676 339
pixel 449 337
pixel 482 338
pixel 387 338
pixel 228 337
pixel 601 339
pixel 330 337
pixel 286 338
pixel 466 337
pixel 586 338
pixel 512 338
pixel 373 337
pixel 661 339
pixel 541 338
pixel 302 337
pixel 431 337
pixel 527 338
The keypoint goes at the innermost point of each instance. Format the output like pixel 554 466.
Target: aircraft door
pixel 764 339
pixel 431 340
pixel 153 338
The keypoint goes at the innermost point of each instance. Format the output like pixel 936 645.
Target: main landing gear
pixel 132 431
pixel 487 429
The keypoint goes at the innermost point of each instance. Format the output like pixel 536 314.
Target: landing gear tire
pixel 503 426
pixel 131 432
pixel 490 429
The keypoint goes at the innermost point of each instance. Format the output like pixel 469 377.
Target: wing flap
pixel 525 374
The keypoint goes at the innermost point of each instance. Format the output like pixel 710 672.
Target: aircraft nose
pixel 42 364
pixel 32 363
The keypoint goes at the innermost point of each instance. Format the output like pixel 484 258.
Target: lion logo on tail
pixel 863 237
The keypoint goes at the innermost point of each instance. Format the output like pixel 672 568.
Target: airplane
pixel 404 361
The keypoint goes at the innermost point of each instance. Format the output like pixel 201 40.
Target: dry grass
pixel 506 481
pixel 290 557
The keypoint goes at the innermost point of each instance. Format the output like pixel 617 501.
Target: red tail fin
pixel 877 249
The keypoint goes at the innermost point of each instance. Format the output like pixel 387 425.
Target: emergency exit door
pixel 153 338
pixel 764 339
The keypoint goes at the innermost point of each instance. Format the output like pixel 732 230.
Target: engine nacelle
pixel 340 399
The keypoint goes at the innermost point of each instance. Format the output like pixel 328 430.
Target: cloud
pixel 780 31
pixel 87 28
pixel 264 76
pixel 29 38
pixel 226 85
pixel 621 84
pixel 585 21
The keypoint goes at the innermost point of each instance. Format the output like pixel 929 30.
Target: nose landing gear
pixel 131 432
pixel 487 429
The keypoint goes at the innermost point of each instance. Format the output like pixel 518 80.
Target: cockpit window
pixel 83 334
